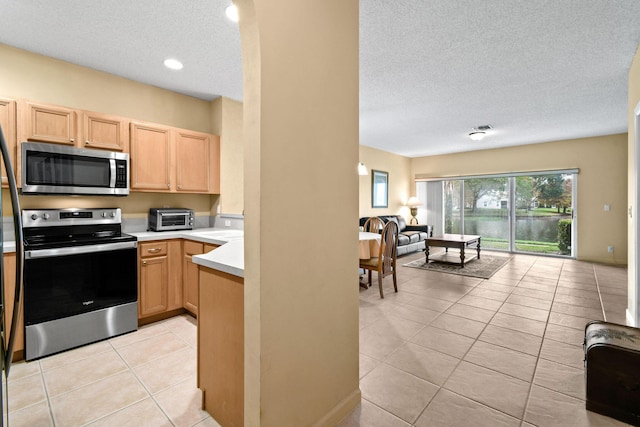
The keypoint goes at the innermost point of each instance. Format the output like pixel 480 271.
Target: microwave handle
pixel 112 167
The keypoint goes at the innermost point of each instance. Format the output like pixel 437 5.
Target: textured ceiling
pixel 430 71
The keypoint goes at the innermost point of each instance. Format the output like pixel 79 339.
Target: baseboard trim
pixel 341 410
pixel 630 319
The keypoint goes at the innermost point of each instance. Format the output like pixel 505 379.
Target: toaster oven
pixel 165 219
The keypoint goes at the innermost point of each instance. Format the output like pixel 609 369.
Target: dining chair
pixel 373 224
pixel 385 263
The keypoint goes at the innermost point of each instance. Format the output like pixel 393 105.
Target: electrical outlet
pixel 227 223
pixel 607 208
pixel 610 249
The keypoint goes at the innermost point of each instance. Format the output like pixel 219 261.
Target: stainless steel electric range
pixel 80 278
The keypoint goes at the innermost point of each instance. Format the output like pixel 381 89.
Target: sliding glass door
pixel 486 211
pixel 531 213
pixel 544 212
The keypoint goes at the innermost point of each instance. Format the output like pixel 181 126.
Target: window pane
pixel 543 214
pixel 486 211
pixel 452 207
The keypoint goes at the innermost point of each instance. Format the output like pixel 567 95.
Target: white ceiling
pixel 430 71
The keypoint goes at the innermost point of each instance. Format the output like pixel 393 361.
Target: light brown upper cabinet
pixel 167 159
pixel 197 162
pixel 47 123
pixel 150 157
pixel 104 132
pixel 8 123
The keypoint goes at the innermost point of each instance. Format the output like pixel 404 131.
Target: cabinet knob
pixel 87 142
pixel 72 140
pixel 144 262
pixel 168 185
pixel 153 250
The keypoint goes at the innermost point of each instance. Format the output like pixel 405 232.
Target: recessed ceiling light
pixel 232 13
pixel 479 132
pixel 173 64
pixel 477 136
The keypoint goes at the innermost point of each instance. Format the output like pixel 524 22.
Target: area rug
pixel 484 268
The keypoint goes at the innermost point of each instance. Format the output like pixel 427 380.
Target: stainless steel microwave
pixel 58 169
pixel 165 219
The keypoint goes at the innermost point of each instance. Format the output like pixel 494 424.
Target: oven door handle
pixel 75 250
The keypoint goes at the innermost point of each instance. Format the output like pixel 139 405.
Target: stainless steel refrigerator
pixel 7 337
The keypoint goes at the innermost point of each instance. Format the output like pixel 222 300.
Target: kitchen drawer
pixel 193 248
pixel 151 249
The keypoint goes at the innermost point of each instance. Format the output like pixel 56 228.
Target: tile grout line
pixel 521 419
pixel 604 314
pixel 526 407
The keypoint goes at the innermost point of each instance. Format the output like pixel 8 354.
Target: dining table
pixel 369 246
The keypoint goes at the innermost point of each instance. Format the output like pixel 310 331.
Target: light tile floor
pixel 445 350
pixel 450 350
pixel 145 378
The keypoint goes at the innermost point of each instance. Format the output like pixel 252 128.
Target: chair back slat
pixel 388 247
pixel 373 224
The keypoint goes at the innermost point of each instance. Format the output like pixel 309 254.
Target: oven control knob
pixel 34 216
pixel 112 214
pixel 45 216
pixel 104 214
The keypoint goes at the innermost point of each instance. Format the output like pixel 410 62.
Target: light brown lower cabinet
pixel 9 274
pixel 190 273
pixel 221 346
pixel 159 277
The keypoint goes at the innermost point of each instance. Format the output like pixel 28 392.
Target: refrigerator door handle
pixel 17 228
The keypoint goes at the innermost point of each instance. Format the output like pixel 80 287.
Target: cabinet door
pixel 47 123
pixel 221 346
pixel 190 276
pixel 175 274
pixel 104 132
pixel 153 285
pixel 192 161
pixel 150 157
pixel 9 274
pixel 8 123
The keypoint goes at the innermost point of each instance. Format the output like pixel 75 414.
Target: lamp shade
pixel 414 202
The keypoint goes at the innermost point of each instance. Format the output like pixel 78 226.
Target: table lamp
pixel 413 204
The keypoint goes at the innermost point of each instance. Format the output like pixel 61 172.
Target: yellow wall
pixel 602 179
pixel 400 183
pixel 231 158
pixel 633 312
pixel 301 207
pixel 27 75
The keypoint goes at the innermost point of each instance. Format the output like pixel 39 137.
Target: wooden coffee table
pixel 460 241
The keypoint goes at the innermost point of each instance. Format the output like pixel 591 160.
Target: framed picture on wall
pixel 379 189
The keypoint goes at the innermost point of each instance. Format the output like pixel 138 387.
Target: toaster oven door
pixel 174 220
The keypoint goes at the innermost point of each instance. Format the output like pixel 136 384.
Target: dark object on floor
pixel 612 369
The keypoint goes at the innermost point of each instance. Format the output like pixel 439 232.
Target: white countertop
pixel 8 246
pixel 229 257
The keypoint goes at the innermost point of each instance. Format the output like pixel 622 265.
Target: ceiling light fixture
pixel 232 13
pixel 173 64
pixel 480 132
pixel 477 136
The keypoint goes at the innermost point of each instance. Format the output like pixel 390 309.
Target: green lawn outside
pixel 492 214
pixel 522 245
